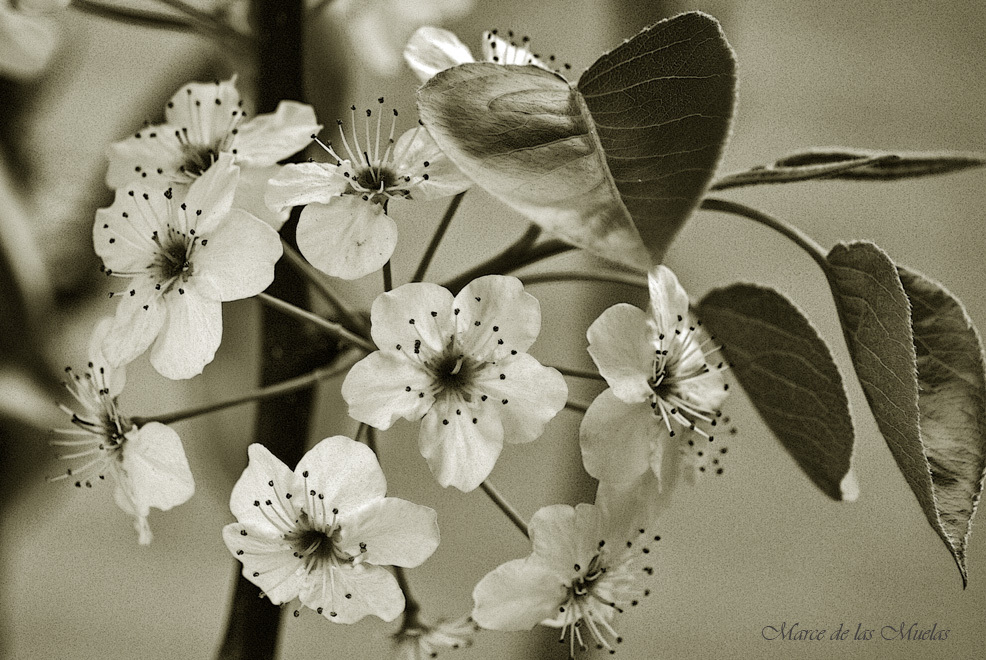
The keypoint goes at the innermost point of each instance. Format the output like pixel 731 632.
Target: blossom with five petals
pixel 433 49
pixel 458 364
pixel 581 573
pixel 420 640
pixel 662 381
pixel 344 229
pixel 184 259
pixel 324 532
pixel 203 121
pixel 146 463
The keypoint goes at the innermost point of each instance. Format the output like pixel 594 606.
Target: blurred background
pixel 756 547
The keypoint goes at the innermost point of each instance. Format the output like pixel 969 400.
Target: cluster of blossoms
pixel 199 200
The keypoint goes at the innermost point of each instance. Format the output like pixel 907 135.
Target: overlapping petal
pixel 347 238
pixel 385 386
pixel 517 595
pixel 461 442
pixel 298 184
pixel 416 311
pixel 496 317
pixel 344 472
pixel 394 532
pixel 622 346
pixel 189 338
pixel 620 441
pixel 528 395
pixel 240 256
pixel 431 49
pixel 352 593
pixel 269 138
pixel 253 486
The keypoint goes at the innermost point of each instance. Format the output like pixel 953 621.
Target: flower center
pixel 454 372
pixel 315 545
pixel 197 158
pixel 173 260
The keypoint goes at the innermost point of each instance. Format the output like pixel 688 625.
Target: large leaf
pixel 612 166
pixel 524 135
pixel 952 402
pixel 852 164
pixel 876 319
pixel 788 372
pixel 662 103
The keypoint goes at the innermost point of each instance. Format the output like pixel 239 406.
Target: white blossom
pixel 324 532
pixel 459 365
pixel 433 49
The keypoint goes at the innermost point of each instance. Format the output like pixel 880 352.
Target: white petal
pixel 114 379
pixel 498 50
pixel 628 507
pixel 376 389
pixel 668 300
pixel 497 316
pixel 563 537
pixel 26 43
pixel 250 195
pixel 395 533
pixel 155 464
pixel 617 439
pixel 525 393
pixel 419 311
pixel 205 110
pixel 122 233
pixel 371 590
pixel 212 195
pixel 191 333
pixel 344 472
pixel 304 183
pixel 248 500
pixel 346 238
pixel 152 155
pixel 517 595
pixel 621 344
pixel 239 257
pixel 415 148
pixel 271 137
pixel 268 562
pixel 432 49
pixel 134 327
pixel 461 442
pixel 124 499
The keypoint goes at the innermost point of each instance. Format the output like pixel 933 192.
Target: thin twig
pixel 573 275
pixel 506 507
pixel 329 326
pixel 577 373
pixel 350 318
pixel 436 239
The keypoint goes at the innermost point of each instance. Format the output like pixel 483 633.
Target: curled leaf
pixel 853 164
pixel 788 373
pixel 922 373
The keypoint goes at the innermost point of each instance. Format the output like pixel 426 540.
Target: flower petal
pixel 628 507
pixel 498 50
pixel 152 155
pixel 386 385
pixel 618 439
pixel 210 197
pixel 155 464
pixel 432 49
pixel 517 595
pixel 250 191
pixel 621 344
pixel 461 442
pixel 344 472
pixel 497 317
pixel 668 300
pixel 526 394
pixel 419 311
pixel 347 238
pixel 298 184
pixel 271 137
pixel 417 153
pixel 394 532
pixel 248 500
pixel 352 592
pixel 192 332
pixel 114 379
pixel 122 234
pixel 240 256
pixel 139 318
pixel 564 537
pixel 269 563
pixel 207 111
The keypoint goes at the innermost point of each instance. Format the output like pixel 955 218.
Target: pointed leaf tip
pixel 789 375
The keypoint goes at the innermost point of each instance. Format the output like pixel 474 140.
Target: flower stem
pixel 506 507
pixel 443 226
pixel 577 373
pixel 798 237
pixel 629 279
pixel 349 317
pixel 388 278
pixel 577 406
pixel 261 394
pixel 138 17
pixel 522 253
pixel 329 326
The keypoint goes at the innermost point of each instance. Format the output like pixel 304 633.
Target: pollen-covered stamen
pixel 101 428
pixel 454 374
pixel 603 588
pixel 211 131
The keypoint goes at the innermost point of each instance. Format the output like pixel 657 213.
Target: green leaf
pixel 523 134
pixel 615 166
pixel 952 403
pixel 876 317
pixel 788 373
pixel 662 103
pixel 853 164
